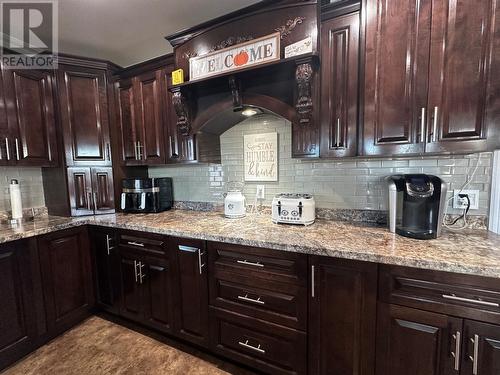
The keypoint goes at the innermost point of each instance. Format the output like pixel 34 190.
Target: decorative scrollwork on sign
pixel 304 103
pixel 231 41
pixel 182 111
pixel 287 28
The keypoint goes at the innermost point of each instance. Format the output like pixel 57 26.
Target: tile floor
pixel 100 347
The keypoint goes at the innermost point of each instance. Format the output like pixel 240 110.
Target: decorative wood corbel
pixel 182 110
pixel 235 87
pixel 304 102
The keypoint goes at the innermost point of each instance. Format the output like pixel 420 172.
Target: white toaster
pixel 293 208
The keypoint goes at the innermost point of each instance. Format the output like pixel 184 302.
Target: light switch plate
pixel 461 203
pixel 261 191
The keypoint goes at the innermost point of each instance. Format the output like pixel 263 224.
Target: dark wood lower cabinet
pixel 18 320
pixel 482 349
pixel 415 342
pixel 191 289
pixel 67 277
pixel 106 268
pixel 342 316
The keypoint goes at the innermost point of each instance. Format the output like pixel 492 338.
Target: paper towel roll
pixel 15 200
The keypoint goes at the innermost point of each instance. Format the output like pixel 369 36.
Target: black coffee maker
pixel 416 205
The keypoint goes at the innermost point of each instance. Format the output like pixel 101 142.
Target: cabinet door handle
pixel 435 124
pixel 139 152
pixel 108 152
pixel 470 300
pixel 7 148
pixel 135 271
pixel 312 282
pixel 16 142
pixel 255 348
pixel 248 299
pixel 94 196
pixel 422 125
pixel 337 136
pixel 89 201
pixel 200 264
pixel 133 243
pixel 247 263
pixel 475 357
pixel 141 275
pixel 135 151
pixel 456 353
pixel 108 244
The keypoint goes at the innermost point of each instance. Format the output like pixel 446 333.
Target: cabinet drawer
pixel 153 244
pixel 455 294
pixel 280 303
pixel 268 347
pixel 258 263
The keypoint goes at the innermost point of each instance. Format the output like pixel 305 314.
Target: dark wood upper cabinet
pixel 17 314
pixel 464 63
pixel 191 289
pixel 67 277
pixel 4 124
pixel 482 348
pixel 90 190
pixel 342 311
pixel 396 76
pixel 339 85
pixel 414 342
pixel 141 118
pixel 84 115
pixel 31 138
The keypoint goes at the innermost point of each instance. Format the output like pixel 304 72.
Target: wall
pixel 30 180
pixel 342 183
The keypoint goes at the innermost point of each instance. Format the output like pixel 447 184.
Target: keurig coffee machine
pixel 416 205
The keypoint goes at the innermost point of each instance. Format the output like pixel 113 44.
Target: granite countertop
pixel 469 251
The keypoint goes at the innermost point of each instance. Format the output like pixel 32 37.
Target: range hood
pixel 208 107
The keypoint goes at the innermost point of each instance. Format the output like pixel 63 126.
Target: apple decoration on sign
pixel 241 58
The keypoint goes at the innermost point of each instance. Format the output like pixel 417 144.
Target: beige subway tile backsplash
pixel 341 183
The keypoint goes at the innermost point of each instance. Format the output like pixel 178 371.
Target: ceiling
pixel 130 31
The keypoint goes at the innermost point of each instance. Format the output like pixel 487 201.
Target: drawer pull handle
pixel 470 300
pixel 133 243
pixel 246 298
pixel 247 345
pixel 189 249
pixel 247 263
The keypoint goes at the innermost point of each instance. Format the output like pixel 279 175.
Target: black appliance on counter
pixel 416 205
pixel 145 195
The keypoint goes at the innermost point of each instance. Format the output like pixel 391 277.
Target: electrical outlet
pixel 461 203
pixel 261 191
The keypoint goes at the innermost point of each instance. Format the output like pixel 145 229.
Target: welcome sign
pixel 244 55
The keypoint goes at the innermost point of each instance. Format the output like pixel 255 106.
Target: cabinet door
pixel 131 292
pixel 107 268
pixel 30 108
pixel 80 191
pixel 102 190
pixel 461 76
pixel 396 76
pixel 84 116
pixel 342 308
pixel 191 287
pixel 150 111
pixel 339 86
pixel 181 148
pixel 17 312
pixel 67 277
pixel 414 342
pixel 127 122
pixel 482 343
pixel 158 302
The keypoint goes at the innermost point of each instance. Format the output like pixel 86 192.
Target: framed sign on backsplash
pixel 261 157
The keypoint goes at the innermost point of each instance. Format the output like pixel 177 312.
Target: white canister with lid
pixel 15 200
